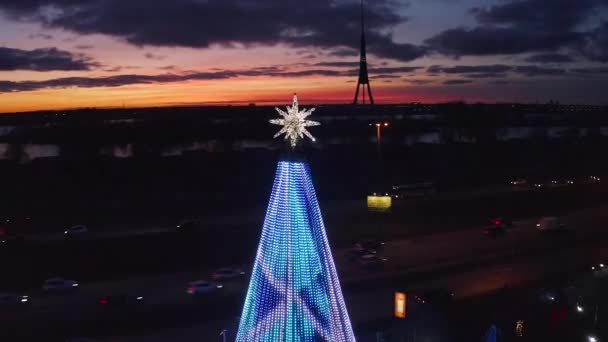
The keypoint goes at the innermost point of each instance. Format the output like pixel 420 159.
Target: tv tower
pixel 363 77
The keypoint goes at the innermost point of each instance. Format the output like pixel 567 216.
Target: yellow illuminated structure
pixel 379 202
pixel 400 304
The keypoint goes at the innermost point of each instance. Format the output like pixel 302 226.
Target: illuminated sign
pixel 400 304
pixel 379 203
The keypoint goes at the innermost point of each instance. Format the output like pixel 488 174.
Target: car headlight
pixel 75 284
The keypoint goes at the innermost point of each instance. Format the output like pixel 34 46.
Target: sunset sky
pixel 58 54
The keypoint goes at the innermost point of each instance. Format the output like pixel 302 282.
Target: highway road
pixel 253 217
pixel 466 261
pixel 377 304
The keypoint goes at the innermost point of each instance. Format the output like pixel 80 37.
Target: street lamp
pixel 379 126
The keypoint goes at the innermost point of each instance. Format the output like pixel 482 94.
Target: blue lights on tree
pixel 294 293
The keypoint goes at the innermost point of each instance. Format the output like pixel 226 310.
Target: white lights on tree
pixel 294 123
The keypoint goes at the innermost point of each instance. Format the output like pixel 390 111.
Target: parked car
pixel 76 231
pixel 201 287
pixel 9 300
pixel 550 224
pixel 227 273
pixel 121 300
pixel 59 285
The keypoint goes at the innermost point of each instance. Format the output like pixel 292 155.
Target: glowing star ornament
pixel 294 123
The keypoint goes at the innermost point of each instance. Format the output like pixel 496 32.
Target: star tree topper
pixel 294 123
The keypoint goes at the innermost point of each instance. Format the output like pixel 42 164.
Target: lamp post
pixel 379 126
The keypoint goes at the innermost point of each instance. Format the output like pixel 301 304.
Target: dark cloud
pixel 538 14
pixel 499 82
pixel 550 58
pixel 389 70
pixel 129 79
pixel 450 82
pixel 168 67
pixel 200 24
pixel 46 59
pixel 344 52
pixel 534 70
pixel 155 57
pixel 495 70
pixel 418 81
pixel 595 44
pixel 40 36
pixel 487 75
pixel 498 41
pixel 113 69
pixel 339 64
pixel 591 70
pixel 84 47
pixel 385 76
pixel 518 26
pixel 466 69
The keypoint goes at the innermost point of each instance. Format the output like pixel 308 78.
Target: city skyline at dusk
pixel 57 54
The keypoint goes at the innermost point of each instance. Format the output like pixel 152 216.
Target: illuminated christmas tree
pixel 294 292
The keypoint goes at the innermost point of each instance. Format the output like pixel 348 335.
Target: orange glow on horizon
pixel 239 91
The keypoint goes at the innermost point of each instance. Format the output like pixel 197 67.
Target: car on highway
pixel 600 269
pixel 519 181
pixel 188 226
pixel 550 224
pixel 74 232
pixel 10 300
pixel 121 300
pixel 436 297
pixel 201 287
pixel 505 222
pixel 227 274
pixel 12 241
pixel 495 231
pixel 370 244
pixel 354 254
pixel 79 339
pixel 59 285
pixel 371 261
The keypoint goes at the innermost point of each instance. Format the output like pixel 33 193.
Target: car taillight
pixel 104 301
pixel 360 246
pixel 190 289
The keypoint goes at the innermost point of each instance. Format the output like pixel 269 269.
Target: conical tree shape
pixel 294 293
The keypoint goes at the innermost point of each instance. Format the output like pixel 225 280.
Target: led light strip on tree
pixel 294 292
